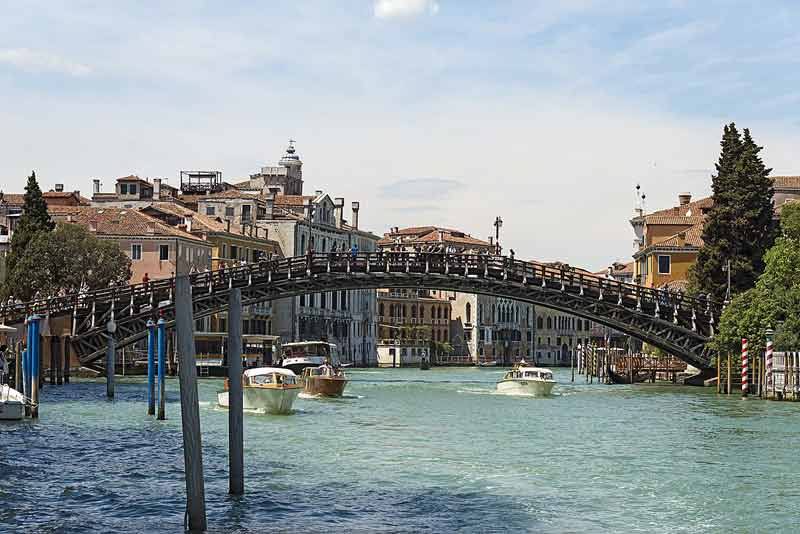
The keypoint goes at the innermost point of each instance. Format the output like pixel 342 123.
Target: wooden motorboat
pixel 490 363
pixel 524 379
pixel 267 389
pixel 325 381
pixel 12 404
pixel 297 356
pixel 424 364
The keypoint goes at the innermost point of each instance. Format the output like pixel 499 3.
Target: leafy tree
pixel 66 259
pixel 774 302
pixel 34 220
pixel 739 226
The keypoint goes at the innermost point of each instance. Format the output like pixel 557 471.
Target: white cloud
pixel 388 9
pixel 35 61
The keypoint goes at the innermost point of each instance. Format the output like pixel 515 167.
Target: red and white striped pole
pixel 744 368
pixel 768 358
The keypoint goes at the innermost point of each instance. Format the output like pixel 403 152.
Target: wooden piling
pixel 728 381
pixel 190 409
pixel 719 387
pixel 161 369
pixel 572 364
pixel 67 356
pixel 59 362
pixel 36 361
pixel 53 352
pixel 235 399
pixel 110 363
pixel 18 368
pixel 151 368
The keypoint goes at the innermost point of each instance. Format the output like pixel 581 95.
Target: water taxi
pixel 267 389
pixel 527 380
pixel 298 356
pixel 12 404
pixel 325 381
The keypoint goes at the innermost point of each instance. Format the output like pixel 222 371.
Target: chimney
pixel 70 219
pixel 93 225
pixel 684 198
pixel 252 227
pixel 338 211
pixel 157 189
pixel 95 186
pixel 356 207
pixel 151 227
pixel 59 188
pixel 228 225
pixel 189 219
pixel 318 193
pixel 270 203
pixel 308 208
pixel 491 239
pixel 682 239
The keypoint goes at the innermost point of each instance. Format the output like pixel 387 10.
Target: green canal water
pixel 414 451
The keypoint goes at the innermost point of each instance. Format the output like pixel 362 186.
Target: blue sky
pixel 442 112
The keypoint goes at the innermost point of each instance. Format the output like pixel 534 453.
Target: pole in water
pixel 35 360
pixel 162 366
pixel 111 357
pixel 190 408
pixel 151 371
pixel 18 368
pixel 744 368
pixel 235 400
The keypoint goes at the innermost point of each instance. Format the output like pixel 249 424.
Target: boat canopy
pixel 268 371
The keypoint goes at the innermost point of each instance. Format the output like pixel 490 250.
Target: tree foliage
pixel 740 224
pixel 67 259
pixel 774 302
pixel 34 221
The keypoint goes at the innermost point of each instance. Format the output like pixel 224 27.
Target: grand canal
pixel 414 451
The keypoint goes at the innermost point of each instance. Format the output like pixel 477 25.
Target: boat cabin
pixel 531 373
pixel 327 371
pixel 311 350
pixel 269 376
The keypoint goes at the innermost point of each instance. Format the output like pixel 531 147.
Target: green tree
pixel 66 259
pixel 739 227
pixel 774 302
pixel 34 220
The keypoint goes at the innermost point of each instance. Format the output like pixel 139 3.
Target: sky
pixel 442 112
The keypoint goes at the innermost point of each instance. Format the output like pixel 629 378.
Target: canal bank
pixel 411 451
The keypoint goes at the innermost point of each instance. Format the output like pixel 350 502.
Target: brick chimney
pixel 270 204
pixel 59 188
pixel 189 220
pixel 157 189
pixel 151 227
pixel 308 209
pixel 356 206
pixel 93 225
pixel 684 199
pixel 95 186
pixel 682 239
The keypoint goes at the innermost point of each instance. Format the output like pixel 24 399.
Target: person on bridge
pixel 511 253
pixel 354 250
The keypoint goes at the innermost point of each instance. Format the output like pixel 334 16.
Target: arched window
pixel 549 323
pixel 405 311
pixel 494 314
pixel 391 310
pixel 539 323
pixel 469 312
pixel 480 313
pixel 380 308
pixel 414 311
pixel 421 311
pixel 303 244
pixel 324 244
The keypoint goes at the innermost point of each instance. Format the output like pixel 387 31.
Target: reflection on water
pixel 413 451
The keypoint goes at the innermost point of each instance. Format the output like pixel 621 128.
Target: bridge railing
pixel 470 265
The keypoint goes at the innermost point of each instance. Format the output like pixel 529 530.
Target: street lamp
pixel 498 223
pixel 727 269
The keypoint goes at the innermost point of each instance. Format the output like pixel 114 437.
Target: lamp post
pixel 727 269
pixel 572 360
pixel 498 223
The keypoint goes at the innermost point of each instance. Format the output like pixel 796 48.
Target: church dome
pixel 290 159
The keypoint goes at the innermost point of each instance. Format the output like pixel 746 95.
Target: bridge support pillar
pixel 190 408
pixel 151 368
pixel 235 399
pixel 35 357
pixel 111 357
pixel 162 367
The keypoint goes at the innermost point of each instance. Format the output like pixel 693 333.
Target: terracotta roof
pixel 67 194
pixel 118 221
pixel 617 268
pixel 292 200
pixel 134 178
pixel 431 234
pixel 418 230
pixel 694 208
pixel 675 285
pixel 199 221
pixel 674 219
pixel 692 237
pixel 14 199
pixel 788 182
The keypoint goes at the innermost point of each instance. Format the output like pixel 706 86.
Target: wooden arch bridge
pixel 675 323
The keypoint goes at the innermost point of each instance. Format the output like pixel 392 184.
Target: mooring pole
pixel 235 400
pixel 151 371
pixel 162 367
pixel 18 368
pixel 111 357
pixel 745 361
pixel 67 341
pixel 59 361
pixel 53 352
pixel 190 409
pixel 35 358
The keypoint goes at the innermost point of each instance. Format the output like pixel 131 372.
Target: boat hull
pixel 12 405
pixel 324 386
pixel 278 401
pixel 536 388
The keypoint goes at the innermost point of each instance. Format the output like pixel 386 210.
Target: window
pixel 302 300
pixel 234 251
pixel 132 189
pixel 245 212
pixel 664 264
pixel 163 252
pixel 322 302
pixel 224 251
pixel 469 312
pixel 123 189
pixel 211 210
pixel 136 252
pixel 228 212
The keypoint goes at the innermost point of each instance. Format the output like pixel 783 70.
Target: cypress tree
pixel 739 226
pixel 34 220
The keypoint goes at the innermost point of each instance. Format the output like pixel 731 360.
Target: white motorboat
pixel 524 379
pixel 297 356
pixel 12 404
pixel 267 389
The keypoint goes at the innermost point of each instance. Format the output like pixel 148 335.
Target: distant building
pixel 284 179
pixel 133 192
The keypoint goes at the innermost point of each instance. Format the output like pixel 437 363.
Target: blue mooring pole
pixel 26 361
pixel 35 361
pixel 151 368
pixel 162 366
